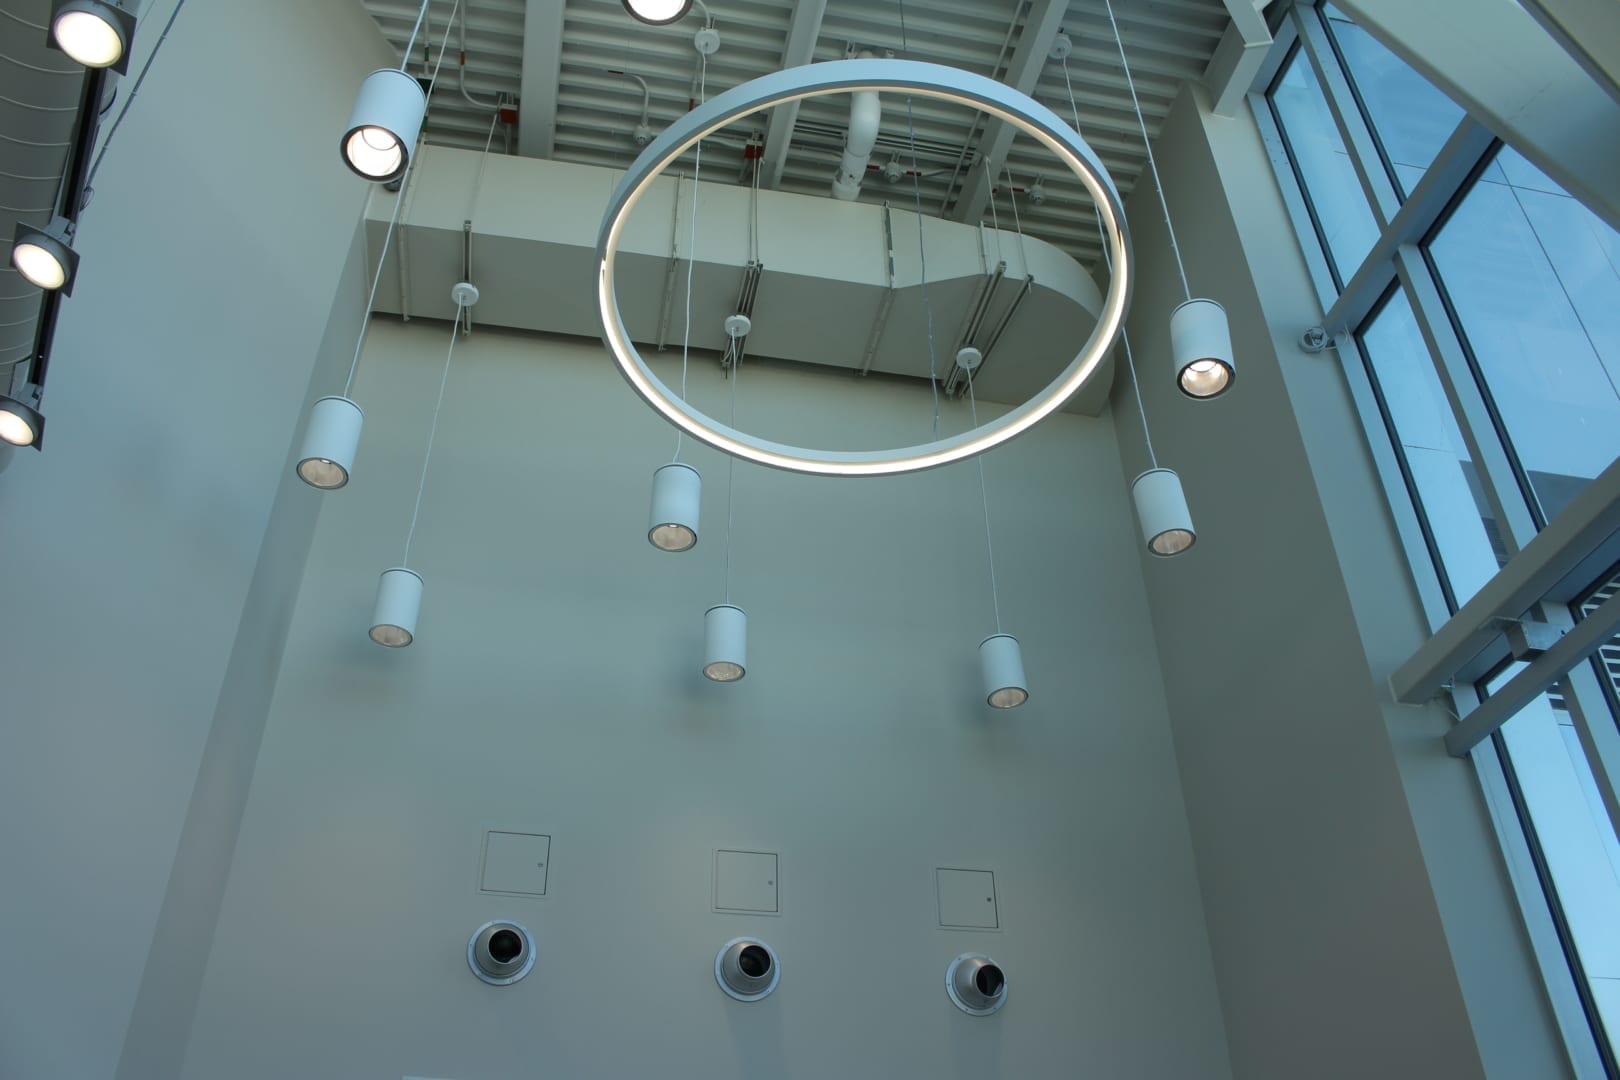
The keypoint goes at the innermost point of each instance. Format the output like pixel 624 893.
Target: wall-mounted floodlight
pixel 46 256
pixel 21 422
pixel 92 32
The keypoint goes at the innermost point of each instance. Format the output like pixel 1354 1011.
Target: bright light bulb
pixel 672 537
pixel 373 151
pixel 395 637
pixel 1205 378
pixel 15 430
pixel 1171 542
pixel 322 473
pixel 38 265
pixel 1008 697
pixel 723 671
pixel 88 38
pixel 658 11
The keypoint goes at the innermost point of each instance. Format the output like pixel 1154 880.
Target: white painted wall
pixel 554 687
pixel 1358 908
pixel 131 542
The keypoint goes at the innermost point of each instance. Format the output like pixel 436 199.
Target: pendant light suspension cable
pixel 411 42
pixel 922 253
pixel 393 220
pixel 433 430
pixel 130 100
pixel 1146 143
pixel 984 496
pixel 731 471
pixel 1012 197
pixel 1124 336
pixel 691 247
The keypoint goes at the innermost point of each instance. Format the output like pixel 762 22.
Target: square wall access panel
pixel 515 863
pixel 745 882
pixel 967 899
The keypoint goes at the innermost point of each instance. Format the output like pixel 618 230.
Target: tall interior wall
pixel 1357 904
pixel 554 688
pixel 141 603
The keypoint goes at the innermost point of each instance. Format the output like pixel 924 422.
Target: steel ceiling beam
pixel 542 71
pixel 1029 57
pixel 803 33
pixel 1238 58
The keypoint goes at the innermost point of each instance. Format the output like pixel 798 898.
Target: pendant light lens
pixel 330 443
pixel 1002 662
pixel 373 152
pixel 1201 345
pixel 725 643
pixel 44 257
pixel 658 12
pixel 1161 508
pixel 399 600
pixel 387 118
pixel 20 424
pixel 677 499
pixel 92 32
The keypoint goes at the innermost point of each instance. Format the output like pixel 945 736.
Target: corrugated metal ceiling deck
pixel 1168 42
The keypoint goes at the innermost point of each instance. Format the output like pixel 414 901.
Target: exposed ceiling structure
pixel 572 67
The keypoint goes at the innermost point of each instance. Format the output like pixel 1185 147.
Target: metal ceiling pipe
pixel 865 114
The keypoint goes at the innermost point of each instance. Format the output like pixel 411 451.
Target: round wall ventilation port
pixel 500 952
pixel 976 984
pixel 746 969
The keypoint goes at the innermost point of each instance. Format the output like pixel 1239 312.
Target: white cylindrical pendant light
pixel 1003 664
pixel 399 599
pixel 657 12
pixel 725 643
pixel 382 130
pixel 330 443
pixel 1161 507
pixel 1201 345
pixel 677 499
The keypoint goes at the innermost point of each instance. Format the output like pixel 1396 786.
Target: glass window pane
pixel 1446 482
pixel 1410 116
pixel 1342 213
pixel 1577 839
pixel 1532 276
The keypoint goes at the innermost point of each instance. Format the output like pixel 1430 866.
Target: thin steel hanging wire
pixel 984 496
pixel 1108 258
pixel 433 431
pixel 411 41
pixel 1012 197
pixel 1147 145
pixel 90 178
pixel 922 252
pixel 393 220
pixel 691 251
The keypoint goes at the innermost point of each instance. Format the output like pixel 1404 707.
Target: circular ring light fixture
pixel 843 76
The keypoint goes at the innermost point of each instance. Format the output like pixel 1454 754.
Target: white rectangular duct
pixel 831 289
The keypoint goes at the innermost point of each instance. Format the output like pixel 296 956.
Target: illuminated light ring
pixel 892 76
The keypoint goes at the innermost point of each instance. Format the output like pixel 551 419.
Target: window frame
pixel 1400 260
